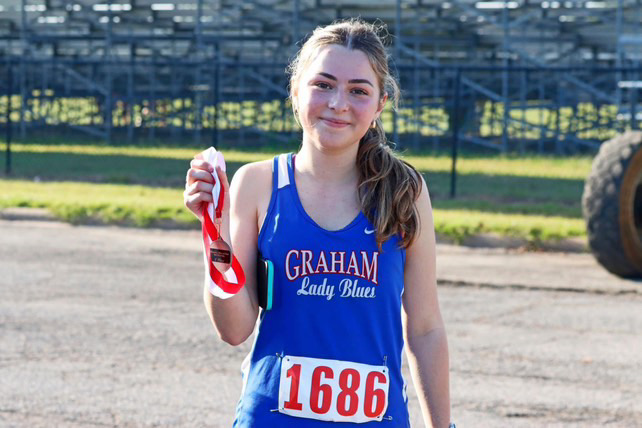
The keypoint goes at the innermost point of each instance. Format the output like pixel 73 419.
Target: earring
pixel 374 124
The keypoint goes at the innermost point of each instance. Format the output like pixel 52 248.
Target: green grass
pixel 576 167
pixel 536 198
pixel 535 229
pixel 129 151
pixel 165 167
pixel 77 202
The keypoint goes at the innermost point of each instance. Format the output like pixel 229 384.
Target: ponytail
pixel 388 189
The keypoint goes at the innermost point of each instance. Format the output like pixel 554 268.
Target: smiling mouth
pixel 334 122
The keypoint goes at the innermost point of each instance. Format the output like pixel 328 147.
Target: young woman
pixel 348 228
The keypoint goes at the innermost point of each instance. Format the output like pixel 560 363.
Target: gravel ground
pixel 105 326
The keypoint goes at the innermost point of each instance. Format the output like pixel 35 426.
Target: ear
pixel 382 104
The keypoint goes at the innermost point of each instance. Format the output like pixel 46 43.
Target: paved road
pixel 105 326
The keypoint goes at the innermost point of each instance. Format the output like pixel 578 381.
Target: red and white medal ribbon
pixel 221 284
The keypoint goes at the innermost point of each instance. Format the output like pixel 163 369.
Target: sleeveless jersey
pixel 330 348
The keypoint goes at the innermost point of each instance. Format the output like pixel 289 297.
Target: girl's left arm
pixel 425 335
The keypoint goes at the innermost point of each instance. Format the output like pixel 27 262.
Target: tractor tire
pixel 612 205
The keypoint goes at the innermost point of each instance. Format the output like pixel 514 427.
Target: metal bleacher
pixel 213 70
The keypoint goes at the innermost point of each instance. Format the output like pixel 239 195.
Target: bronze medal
pixel 220 253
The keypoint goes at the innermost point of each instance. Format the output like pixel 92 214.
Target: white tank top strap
pixel 283 177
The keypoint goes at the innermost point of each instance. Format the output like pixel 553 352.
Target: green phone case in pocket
pixel 265 282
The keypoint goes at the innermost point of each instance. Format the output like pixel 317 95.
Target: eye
pixel 322 85
pixel 360 91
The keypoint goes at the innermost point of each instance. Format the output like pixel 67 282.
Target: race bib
pixel 333 390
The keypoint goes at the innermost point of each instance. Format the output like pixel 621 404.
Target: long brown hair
pixel 388 186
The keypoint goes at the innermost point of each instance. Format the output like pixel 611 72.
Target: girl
pixel 348 228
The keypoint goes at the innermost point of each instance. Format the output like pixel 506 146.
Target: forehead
pixel 341 62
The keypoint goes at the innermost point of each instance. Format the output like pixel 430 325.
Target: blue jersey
pixel 330 348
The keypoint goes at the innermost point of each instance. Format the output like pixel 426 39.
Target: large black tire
pixel 612 205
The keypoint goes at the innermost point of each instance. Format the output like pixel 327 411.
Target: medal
pixel 226 276
pixel 220 251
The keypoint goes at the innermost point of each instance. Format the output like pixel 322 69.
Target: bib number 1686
pixel 333 390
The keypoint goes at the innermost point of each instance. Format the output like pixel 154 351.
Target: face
pixel 337 98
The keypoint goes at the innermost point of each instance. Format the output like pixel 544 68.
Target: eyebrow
pixel 331 77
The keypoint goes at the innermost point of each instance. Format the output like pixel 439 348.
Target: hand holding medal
pixel 207 196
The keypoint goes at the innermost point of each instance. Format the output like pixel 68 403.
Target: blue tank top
pixel 330 348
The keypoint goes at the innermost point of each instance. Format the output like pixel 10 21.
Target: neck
pixel 333 168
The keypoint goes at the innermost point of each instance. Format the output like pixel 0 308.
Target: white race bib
pixel 333 390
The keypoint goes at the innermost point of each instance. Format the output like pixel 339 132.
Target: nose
pixel 338 101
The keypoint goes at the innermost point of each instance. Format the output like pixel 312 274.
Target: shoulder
pixel 422 199
pixel 425 235
pixel 261 170
pixel 251 185
pixel 424 195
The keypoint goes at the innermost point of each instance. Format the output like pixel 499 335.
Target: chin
pixel 332 146
pixel 332 140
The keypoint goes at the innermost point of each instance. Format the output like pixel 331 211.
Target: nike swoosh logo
pixel 368 231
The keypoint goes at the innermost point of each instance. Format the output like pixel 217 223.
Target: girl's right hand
pixel 199 183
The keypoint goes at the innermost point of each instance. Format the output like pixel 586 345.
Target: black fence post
pixel 455 135
pixel 8 122
pixel 634 101
pixel 216 137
